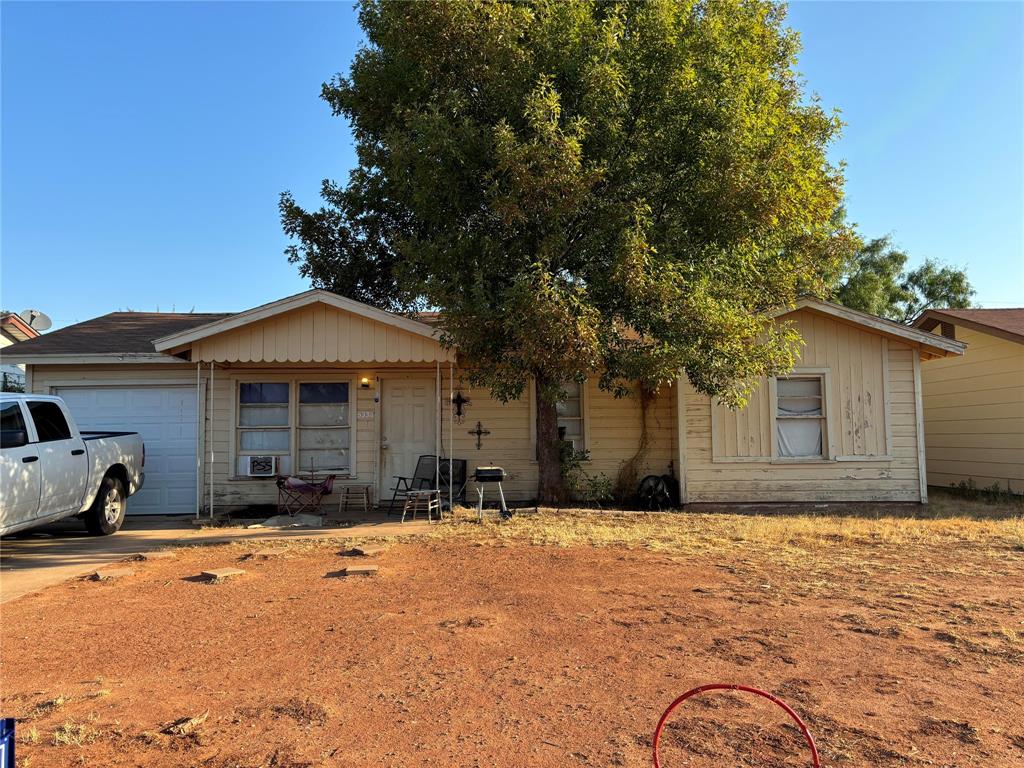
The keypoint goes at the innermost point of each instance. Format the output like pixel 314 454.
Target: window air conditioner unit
pixel 262 466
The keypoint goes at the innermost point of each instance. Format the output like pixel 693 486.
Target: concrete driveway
pixel 39 558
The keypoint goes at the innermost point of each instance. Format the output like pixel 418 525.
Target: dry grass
pixel 72 734
pixel 44 708
pixel 781 534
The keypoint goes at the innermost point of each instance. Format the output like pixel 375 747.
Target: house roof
pixel 17 328
pixel 155 336
pixel 930 344
pixel 1005 323
pixel 119 333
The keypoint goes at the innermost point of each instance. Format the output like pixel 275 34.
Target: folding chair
pixel 297 496
pixel 428 501
pixel 422 478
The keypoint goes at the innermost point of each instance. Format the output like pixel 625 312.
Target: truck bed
pixel 96 435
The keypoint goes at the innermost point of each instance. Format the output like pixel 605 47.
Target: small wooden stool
pixel 354 494
pixel 422 501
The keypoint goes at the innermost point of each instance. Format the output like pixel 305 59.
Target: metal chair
pixel 459 481
pixel 297 496
pixel 422 478
pixel 428 501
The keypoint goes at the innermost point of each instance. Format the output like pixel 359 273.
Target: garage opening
pixel 166 419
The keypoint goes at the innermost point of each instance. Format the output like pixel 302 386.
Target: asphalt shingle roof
pixel 1008 320
pixel 116 333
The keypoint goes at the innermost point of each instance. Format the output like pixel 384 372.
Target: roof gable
pixel 930 344
pixel 315 326
pixel 1004 323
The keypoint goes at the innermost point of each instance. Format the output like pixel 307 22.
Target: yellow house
pixel 974 404
pixel 317 382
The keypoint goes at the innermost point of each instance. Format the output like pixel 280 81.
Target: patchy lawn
pixel 553 640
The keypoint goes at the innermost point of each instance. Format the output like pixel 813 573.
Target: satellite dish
pixel 36 319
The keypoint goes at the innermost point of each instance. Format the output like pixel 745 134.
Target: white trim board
pixel 94 359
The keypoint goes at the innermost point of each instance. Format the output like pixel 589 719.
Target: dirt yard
pixel 554 640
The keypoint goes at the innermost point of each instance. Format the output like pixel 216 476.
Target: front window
pixel 312 434
pixel 800 417
pixel 324 431
pixel 570 414
pixel 263 418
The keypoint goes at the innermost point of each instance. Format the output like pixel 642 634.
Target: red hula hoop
pixel 729 687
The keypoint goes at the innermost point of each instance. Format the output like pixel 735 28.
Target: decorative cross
pixel 460 401
pixel 479 432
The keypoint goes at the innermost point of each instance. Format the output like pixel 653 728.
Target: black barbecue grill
pixel 489 474
pixel 482 476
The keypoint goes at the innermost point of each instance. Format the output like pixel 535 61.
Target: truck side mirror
pixel 13 438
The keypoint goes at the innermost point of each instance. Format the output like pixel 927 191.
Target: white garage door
pixel 166 419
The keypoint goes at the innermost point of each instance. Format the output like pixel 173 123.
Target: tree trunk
pixel 551 488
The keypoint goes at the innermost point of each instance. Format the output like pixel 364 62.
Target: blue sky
pixel 144 145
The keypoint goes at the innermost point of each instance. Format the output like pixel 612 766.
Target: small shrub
pixel 589 489
pixel 72 734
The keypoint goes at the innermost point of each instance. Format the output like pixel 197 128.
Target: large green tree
pixel 876 280
pixel 613 189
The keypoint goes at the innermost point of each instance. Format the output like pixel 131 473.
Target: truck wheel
pixel 106 514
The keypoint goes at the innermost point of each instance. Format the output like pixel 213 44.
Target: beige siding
pixel 318 333
pixel 728 455
pixel 613 425
pixel 612 428
pixel 854 361
pixel 974 414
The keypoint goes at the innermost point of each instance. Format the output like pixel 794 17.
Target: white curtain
pixel 799 437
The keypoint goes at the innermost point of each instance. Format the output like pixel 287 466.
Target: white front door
pixel 165 417
pixel 408 428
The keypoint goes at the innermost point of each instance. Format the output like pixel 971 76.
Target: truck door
pixel 65 464
pixel 19 468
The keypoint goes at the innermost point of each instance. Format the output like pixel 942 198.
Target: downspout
pixel 210 420
pixel 199 451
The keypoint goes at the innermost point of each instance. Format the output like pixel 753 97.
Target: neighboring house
pixel 12 330
pixel 323 381
pixel 974 405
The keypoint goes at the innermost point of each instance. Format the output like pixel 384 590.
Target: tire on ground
pixel 96 519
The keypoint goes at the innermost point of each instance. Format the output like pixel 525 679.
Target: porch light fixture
pixel 364 383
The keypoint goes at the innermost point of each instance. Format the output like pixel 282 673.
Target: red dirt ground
pixel 516 655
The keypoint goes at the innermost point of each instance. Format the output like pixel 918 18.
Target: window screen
pixel 799 417
pixel 324 427
pixel 570 414
pixel 263 418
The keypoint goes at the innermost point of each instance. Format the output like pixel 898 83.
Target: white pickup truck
pixel 49 470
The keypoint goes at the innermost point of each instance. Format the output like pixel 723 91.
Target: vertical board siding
pixel 857 421
pixel 974 414
pixel 856 413
pixel 318 334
